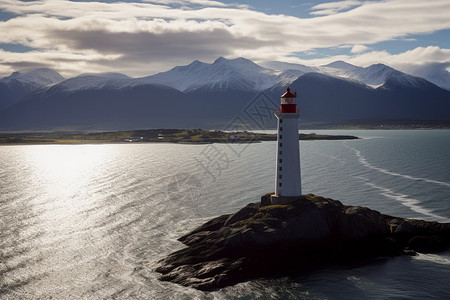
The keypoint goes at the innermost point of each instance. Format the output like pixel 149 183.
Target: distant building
pixel 134 139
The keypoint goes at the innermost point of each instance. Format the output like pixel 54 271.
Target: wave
pixel 434 258
pixel 405 200
pixel 365 163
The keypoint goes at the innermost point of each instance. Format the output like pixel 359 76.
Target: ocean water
pixel 92 221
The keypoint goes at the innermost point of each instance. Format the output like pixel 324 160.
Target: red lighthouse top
pixel 288 94
pixel 288 104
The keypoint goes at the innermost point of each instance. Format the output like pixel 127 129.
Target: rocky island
pixel 265 240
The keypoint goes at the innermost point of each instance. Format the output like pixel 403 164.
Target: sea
pixel 93 221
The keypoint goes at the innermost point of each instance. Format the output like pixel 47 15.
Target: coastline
pixel 174 136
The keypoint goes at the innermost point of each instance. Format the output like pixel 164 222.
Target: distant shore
pixel 376 124
pixel 181 136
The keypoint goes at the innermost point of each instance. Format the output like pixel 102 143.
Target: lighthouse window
pixel 280 176
pixel 279 184
pixel 280 168
pixel 280 152
pixel 281 121
pixel 281 128
pixel 281 144
pixel 281 136
pixel 281 160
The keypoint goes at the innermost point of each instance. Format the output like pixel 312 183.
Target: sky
pixel 141 38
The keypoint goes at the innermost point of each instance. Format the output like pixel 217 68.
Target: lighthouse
pixel 288 185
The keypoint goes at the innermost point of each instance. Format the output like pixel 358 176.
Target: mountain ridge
pixel 19 84
pixel 222 73
pixel 212 95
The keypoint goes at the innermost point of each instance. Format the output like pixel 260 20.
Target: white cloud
pixel 68 63
pixel 188 2
pixel 331 8
pixel 358 49
pixel 143 38
pixel 406 60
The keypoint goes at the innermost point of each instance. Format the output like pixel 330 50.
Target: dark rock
pixel 432 243
pixel 265 240
pixel 265 200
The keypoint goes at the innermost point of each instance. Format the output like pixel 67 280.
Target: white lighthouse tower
pixel 288 185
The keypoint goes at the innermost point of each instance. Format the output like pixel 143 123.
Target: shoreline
pixel 173 136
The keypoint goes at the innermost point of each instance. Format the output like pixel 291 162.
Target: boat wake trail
pixel 365 163
pixel 404 199
pixel 411 203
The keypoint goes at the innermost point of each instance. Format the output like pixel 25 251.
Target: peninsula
pixel 266 240
pixel 188 136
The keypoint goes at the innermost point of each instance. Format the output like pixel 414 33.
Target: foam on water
pixel 365 163
pixel 406 200
pixel 434 258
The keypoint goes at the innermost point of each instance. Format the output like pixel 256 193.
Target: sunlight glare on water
pixel 64 173
pixel 65 211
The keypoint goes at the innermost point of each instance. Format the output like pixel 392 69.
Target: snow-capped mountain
pixel 283 66
pixel 339 65
pixel 212 95
pixel 110 75
pixel 20 84
pixel 374 75
pixel 286 77
pixel 38 77
pixel 406 81
pixel 223 74
pixel 437 73
pixel 96 81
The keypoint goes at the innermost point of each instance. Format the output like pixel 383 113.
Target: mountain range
pixel 215 96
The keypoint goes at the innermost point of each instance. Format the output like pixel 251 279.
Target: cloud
pixel 68 63
pixel 331 8
pixel 149 45
pixel 188 2
pixel 415 57
pixel 205 3
pixel 358 49
pixel 146 37
pixel 141 49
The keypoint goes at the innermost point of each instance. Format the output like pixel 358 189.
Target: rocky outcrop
pixel 269 240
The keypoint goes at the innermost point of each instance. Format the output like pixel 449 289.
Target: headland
pixel 186 136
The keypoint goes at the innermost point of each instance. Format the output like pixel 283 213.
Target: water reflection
pixel 62 176
pixel 64 181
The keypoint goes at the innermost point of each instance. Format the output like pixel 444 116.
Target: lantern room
pixel 288 104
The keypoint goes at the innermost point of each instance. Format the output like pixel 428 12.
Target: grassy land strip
pixel 194 136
